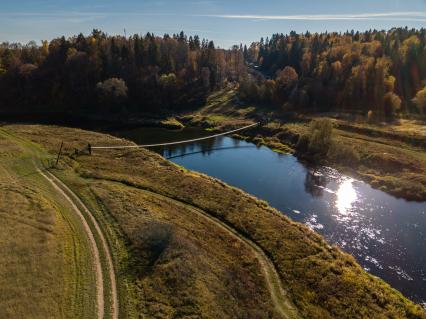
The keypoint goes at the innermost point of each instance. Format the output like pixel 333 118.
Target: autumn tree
pixel 373 71
pixel 287 77
pixel 113 92
pixel 420 100
pixel 359 72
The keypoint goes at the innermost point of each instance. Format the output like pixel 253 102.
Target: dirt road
pixel 84 213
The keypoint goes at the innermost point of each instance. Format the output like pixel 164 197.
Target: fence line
pixel 173 143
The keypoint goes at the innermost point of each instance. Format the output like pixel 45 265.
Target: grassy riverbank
pixel 389 157
pixel 173 260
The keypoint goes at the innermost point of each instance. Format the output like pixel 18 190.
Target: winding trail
pixel 81 210
pixel 97 240
pixel 279 296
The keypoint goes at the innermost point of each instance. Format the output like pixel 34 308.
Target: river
pixel 386 235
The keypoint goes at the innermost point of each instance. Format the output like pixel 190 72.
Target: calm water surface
pixel 385 234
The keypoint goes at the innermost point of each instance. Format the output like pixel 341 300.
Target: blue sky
pixel 225 22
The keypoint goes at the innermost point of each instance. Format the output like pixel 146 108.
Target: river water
pixel 386 235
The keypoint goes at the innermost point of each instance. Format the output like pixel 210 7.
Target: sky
pixel 226 22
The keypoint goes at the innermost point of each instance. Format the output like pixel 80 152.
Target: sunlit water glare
pixel 346 196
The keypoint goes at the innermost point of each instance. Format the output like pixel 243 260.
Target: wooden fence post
pixel 59 153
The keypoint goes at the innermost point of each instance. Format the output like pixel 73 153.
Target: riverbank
pixel 391 158
pixel 142 200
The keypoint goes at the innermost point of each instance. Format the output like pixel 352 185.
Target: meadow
pixel 46 265
pixel 172 263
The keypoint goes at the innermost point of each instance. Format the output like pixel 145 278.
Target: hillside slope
pixel 46 262
pixel 173 264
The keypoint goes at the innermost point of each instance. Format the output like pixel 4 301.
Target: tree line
pixel 379 73
pixel 101 74
pixel 375 72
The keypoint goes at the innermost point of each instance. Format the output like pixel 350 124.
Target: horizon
pixel 226 24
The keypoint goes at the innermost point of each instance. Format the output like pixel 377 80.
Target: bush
pixel 342 153
pixel 392 104
pixel 321 132
pixel 318 140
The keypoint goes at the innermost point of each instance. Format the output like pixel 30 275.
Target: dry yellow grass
pixel 45 269
pixel 183 263
pixel 322 281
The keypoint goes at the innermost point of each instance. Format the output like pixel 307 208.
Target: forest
pixel 112 74
pixel 376 72
pixel 380 74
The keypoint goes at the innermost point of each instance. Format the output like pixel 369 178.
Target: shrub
pixel 318 140
pixel 343 153
pixel 392 104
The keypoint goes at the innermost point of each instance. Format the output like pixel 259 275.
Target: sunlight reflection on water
pixel 346 197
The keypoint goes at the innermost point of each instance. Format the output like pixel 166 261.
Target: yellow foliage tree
pixel 420 100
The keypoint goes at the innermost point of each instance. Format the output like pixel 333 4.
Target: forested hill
pixel 376 73
pixel 103 74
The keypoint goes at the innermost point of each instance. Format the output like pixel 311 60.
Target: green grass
pixel 172 123
pixel 220 112
pixel 322 281
pixel 45 265
pixel 111 232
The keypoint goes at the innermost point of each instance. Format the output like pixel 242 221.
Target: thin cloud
pixel 76 17
pixel 388 16
pixel 73 16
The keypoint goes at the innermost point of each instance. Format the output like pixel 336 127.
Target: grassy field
pixel 173 264
pixel 390 157
pixel 45 266
pixel 201 271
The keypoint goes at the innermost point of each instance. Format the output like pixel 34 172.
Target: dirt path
pixel 84 214
pixel 279 296
pixel 78 206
